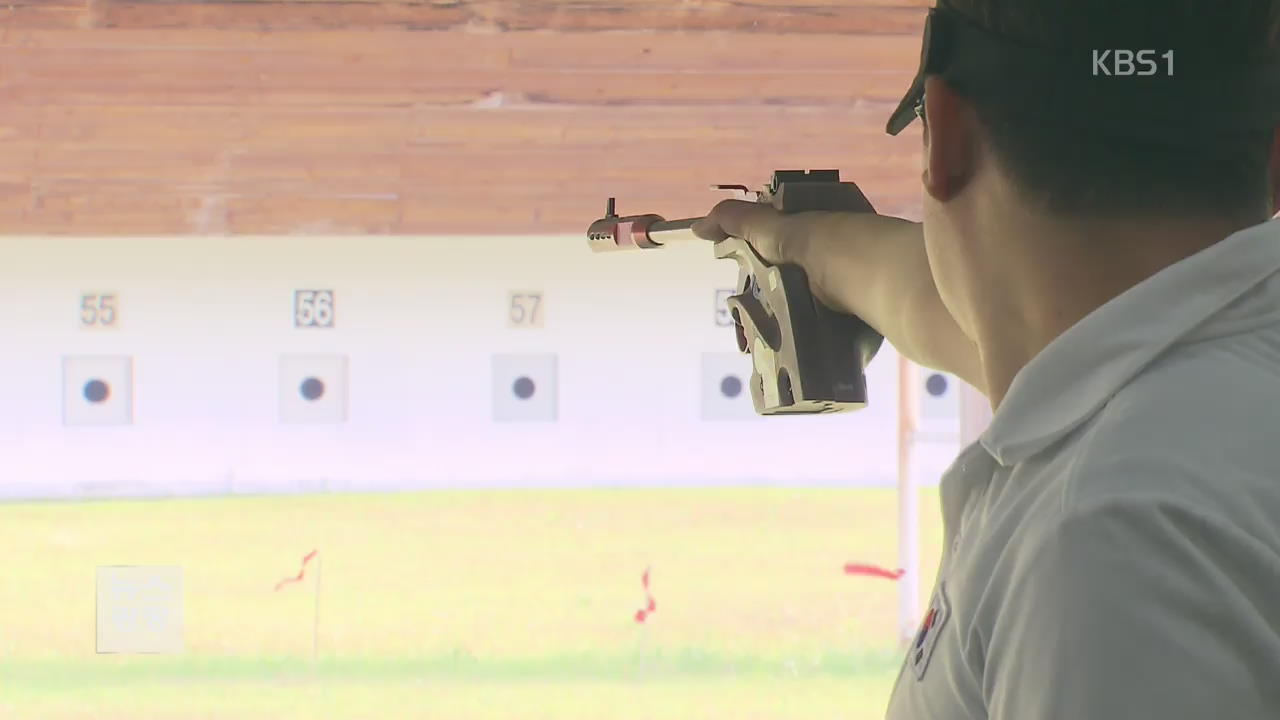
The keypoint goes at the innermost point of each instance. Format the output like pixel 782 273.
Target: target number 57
pixel 524 309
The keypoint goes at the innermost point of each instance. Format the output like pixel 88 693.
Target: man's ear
pixel 1275 172
pixel 949 140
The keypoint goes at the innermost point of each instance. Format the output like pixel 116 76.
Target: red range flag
pixel 301 571
pixel 642 614
pixel 873 571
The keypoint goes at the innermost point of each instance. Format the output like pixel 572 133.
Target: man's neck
pixel 1046 277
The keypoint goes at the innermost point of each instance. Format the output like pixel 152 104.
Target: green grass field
pixel 468 605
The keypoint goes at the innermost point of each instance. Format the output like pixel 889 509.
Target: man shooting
pixel 1096 256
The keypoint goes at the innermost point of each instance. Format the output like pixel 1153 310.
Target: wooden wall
pixel 516 116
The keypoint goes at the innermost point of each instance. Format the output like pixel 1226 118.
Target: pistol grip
pixel 806 357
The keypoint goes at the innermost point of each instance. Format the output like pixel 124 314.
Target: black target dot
pixel 96 391
pixel 936 385
pixel 312 388
pixel 731 386
pixel 523 387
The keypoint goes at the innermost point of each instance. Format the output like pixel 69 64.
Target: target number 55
pixel 98 310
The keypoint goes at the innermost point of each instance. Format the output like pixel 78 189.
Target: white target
pixel 939 417
pixel 97 390
pixel 726 390
pixel 313 388
pixel 524 388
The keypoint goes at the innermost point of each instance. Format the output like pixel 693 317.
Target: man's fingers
pixel 744 219
pixel 754 222
pixel 707 229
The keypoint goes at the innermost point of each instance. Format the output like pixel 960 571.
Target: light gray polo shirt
pixel 1113 538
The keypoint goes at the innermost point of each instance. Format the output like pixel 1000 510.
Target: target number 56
pixel 313 308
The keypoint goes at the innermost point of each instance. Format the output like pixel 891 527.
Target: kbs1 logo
pixel 1123 63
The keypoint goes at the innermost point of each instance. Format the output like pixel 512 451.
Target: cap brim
pixel 906 112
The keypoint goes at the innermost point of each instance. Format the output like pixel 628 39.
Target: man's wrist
pixel 803 233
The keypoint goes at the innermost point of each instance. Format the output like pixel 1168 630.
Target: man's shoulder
pixel 1198 396
pixel 1200 428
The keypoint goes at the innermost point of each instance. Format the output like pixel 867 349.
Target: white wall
pixel 207 319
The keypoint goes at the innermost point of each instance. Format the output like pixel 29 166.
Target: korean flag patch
pixel 927 637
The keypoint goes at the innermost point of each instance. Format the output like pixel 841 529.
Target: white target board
pixel 726 391
pixel 939 419
pixel 313 388
pixel 97 390
pixel 524 388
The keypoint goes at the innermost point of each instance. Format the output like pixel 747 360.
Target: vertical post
pixel 315 623
pixel 908 505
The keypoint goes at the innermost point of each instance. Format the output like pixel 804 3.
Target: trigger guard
pixel 756 321
pixel 741 252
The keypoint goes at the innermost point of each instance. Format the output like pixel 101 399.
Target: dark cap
pixel 1148 92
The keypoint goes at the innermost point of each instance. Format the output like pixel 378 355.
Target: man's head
pixel 1039 208
pixel 1100 173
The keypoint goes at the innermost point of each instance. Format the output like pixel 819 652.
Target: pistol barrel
pixel 674 231
pixel 639 232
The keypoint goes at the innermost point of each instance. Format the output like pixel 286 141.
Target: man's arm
pixel 863 264
pixel 1131 609
pixel 888 254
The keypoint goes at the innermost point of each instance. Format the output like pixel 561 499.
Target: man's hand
pixel 775 236
pixel 859 263
pixel 839 251
pixel 807 239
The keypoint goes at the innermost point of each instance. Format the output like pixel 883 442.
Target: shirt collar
pixel 1080 370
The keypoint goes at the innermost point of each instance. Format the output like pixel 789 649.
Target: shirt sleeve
pixel 1132 609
